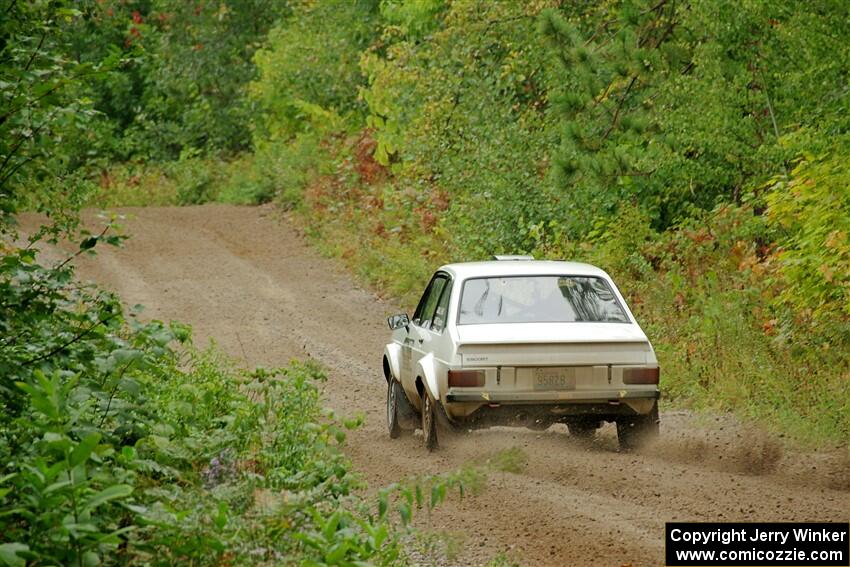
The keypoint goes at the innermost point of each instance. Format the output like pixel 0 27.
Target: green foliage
pixel 309 67
pixel 44 110
pixel 502 560
pixel 83 83
pixel 72 396
pixel 286 169
pixel 276 170
pixel 414 18
pixel 811 206
pixel 707 300
pixel 682 105
pixel 198 65
pixel 462 119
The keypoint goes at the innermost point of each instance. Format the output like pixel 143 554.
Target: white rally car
pixel 521 342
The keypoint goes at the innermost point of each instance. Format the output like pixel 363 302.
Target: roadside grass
pixel 272 172
pixel 703 297
pixel 716 359
pixel 189 181
pixel 434 548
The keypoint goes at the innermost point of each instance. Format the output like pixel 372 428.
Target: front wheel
pixel 635 431
pixel 429 422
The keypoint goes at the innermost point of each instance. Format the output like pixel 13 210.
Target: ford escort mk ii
pixel 521 342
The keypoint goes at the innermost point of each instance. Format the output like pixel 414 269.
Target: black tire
pixel 583 429
pixel 393 392
pixel 633 432
pixel 429 422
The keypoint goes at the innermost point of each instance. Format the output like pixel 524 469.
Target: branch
pixel 604 94
pixel 631 174
pixel 34 53
pixel 619 108
pixel 769 105
pixel 73 340
pixel 26 68
pixel 14 170
pixel 62 264
pixel 58 86
pixel 654 8
pixel 112 393
pixel 21 141
pixel 643 41
pixel 601 28
pixel 11 5
pixel 506 20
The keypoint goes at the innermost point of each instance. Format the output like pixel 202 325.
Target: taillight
pixel 466 378
pixel 641 375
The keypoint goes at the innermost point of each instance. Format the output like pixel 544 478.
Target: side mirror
pixel 398 321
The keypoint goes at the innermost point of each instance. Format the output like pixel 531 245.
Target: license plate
pixel 554 379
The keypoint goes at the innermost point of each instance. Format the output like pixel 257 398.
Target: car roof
pixel 465 270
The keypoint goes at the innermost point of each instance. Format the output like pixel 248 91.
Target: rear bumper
pixel 485 409
pixel 456 395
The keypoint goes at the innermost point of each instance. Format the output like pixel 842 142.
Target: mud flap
pixel 444 424
pixel 408 417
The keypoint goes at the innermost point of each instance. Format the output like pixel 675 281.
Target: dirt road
pixel 245 278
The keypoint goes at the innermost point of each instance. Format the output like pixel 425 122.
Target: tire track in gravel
pixel 244 277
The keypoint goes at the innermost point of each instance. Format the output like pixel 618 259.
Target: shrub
pixel 810 208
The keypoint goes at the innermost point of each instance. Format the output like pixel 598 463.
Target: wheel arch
pixel 392 356
pixel 426 374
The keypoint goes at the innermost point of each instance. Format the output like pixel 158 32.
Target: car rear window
pixel 539 299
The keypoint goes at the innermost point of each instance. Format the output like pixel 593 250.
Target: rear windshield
pixel 539 299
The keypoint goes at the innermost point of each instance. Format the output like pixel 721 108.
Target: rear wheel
pixel 583 429
pixel 635 431
pixel 429 422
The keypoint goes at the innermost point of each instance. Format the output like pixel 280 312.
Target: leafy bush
pixel 310 65
pixel 811 208
pixel 73 407
pixel 181 86
pixel 247 179
pixel 286 168
pixel 705 294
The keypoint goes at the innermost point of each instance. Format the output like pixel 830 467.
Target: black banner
pixel 740 544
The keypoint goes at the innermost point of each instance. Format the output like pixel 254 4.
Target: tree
pixel 43 116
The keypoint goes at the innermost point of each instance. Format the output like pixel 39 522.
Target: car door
pixel 417 343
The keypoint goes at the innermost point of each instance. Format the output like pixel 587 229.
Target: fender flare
pixel 392 353
pixel 427 370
